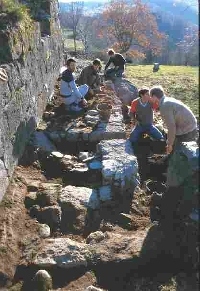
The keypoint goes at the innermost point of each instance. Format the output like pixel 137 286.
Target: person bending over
pixel 179 119
pixel 90 76
pixel 181 173
pixel 119 64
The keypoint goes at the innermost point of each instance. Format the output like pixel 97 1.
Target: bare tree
pixel 85 31
pixel 74 14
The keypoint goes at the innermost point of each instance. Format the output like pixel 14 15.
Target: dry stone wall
pixel 32 67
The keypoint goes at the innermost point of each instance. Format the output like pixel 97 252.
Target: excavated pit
pixel 121 211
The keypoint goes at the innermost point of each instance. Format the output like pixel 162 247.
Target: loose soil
pixel 18 230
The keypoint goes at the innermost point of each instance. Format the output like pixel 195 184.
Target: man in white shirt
pixel 72 95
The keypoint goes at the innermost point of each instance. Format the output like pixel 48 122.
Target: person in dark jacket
pixel 119 64
pixel 90 76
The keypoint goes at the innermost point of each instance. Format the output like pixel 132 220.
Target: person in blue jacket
pixel 72 95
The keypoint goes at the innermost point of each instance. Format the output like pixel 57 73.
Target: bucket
pixel 104 110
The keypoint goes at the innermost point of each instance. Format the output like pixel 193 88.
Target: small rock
pixel 30 199
pixel 42 281
pixel 44 231
pixel 57 154
pixel 95 237
pixel 92 112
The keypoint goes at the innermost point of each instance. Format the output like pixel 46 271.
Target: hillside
pixel 187 9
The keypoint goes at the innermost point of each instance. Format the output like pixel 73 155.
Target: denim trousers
pixel 114 73
pixel 148 129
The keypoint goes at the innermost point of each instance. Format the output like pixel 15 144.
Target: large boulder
pixel 125 90
pixel 119 165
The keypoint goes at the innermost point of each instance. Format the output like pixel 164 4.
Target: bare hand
pixel 169 149
pixel 84 102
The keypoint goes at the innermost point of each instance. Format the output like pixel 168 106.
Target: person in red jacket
pixel 142 110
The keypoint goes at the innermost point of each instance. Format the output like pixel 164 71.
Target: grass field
pixel 178 81
pixel 69 42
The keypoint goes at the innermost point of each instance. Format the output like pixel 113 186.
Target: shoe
pixel 75 107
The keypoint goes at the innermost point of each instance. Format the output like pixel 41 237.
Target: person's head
pixel 71 65
pixel 156 93
pixel 111 52
pixel 96 64
pixel 144 94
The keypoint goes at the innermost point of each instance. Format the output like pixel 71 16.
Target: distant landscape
pixel 186 9
pixel 167 32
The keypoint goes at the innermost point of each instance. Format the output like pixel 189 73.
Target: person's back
pixel 185 121
pixel 118 60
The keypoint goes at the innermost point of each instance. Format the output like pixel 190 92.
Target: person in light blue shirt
pixel 72 94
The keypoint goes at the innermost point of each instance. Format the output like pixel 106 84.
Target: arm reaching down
pixel 108 63
pixel 75 89
pixel 169 119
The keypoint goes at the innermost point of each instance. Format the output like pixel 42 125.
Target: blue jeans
pixel 114 73
pixel 149 129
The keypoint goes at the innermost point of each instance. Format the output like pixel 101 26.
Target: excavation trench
pixel 76 198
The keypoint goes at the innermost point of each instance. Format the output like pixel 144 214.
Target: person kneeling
pixel 90 76
pixel 142 109
pixel 73 95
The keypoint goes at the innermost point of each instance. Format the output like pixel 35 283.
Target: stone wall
pixel 32 64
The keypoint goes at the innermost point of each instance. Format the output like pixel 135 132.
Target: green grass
pixel 179 82
pixel 69 42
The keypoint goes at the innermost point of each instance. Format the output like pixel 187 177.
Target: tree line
pixel 134 30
